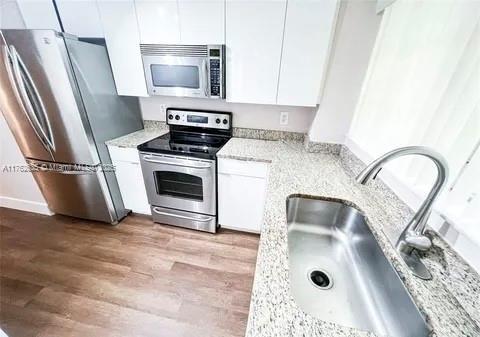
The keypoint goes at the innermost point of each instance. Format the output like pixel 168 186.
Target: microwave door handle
pixel 156 161
pixel 36 108
pixel 206 87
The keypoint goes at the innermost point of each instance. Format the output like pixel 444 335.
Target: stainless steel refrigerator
pixel 59 99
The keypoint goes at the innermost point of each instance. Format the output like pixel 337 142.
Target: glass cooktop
pixel 190 144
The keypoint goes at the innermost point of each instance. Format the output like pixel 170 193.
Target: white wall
pixel 10 16
pixel 244 115
pixel 17 189
pixel 355 34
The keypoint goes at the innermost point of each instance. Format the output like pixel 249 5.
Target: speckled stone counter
pixel 450 301
pixel 152 129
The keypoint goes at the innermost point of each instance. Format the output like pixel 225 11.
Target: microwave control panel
pixel 215 57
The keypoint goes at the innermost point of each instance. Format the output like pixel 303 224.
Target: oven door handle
pixel 181 216
pixel 192 165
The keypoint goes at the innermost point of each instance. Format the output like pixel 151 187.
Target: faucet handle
pixel 418 241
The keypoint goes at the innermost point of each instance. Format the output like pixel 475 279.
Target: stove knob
pixel 177 117
pixel 217 120
pixel 170 116
pixel 180 148
pixel 225 121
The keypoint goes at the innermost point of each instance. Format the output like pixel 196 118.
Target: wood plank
pixel 62 276
pixel 81 264
pixel 17 292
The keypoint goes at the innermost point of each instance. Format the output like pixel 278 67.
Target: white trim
pixel 25 205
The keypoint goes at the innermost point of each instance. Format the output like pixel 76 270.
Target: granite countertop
pixel 152 129
pixel 450 301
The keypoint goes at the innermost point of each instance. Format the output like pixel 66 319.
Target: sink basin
pixel 339 274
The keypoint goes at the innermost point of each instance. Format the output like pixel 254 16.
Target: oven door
pixel 176 75
pixel 179 182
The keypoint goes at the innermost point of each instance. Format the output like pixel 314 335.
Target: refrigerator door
pixel 110 116
pixel 40 99
pixel 70 191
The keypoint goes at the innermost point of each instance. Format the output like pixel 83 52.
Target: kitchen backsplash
pixel 253 116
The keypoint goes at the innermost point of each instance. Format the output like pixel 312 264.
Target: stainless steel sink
pixel 339 273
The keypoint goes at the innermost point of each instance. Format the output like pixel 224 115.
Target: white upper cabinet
pixel 158 21
pixel 80 17
pixel 202 21
pixel 38 14
pixel 254 33
pixel 309 29
pixel 181 22
pixel 123 43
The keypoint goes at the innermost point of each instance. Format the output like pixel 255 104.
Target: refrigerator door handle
pixel 28 92
pixel 10 72
pixel 46 168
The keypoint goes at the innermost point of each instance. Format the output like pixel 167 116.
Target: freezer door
pixel 40 99
pixel 74 192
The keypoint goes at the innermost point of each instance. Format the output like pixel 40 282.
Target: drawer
pixel 242 168
pixel 127 154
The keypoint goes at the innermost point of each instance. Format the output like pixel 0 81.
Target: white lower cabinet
pixel 241 194
pixel 130 178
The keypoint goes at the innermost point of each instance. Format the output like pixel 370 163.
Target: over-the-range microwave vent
pixel 174 50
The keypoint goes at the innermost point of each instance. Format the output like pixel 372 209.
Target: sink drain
pixel 320 279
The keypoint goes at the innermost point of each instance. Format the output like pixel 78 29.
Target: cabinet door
pixel 123 43
pixel 241 201
pixel 254 32
pixel 132 186
pixel 309 29
pixel 80 17
pixel 241 194
pixel 158 21
pixel 38 14
pixel 202 21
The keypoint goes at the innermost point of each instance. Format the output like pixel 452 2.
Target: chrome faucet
pixel 413 237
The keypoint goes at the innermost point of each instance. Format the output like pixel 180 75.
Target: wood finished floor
pixel 62 276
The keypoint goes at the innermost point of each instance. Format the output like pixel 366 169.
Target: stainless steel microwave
pixel 184 70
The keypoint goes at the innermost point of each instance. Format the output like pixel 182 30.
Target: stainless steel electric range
pixel 180 168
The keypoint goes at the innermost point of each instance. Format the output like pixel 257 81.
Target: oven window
pixel 175 76
pixel 178 185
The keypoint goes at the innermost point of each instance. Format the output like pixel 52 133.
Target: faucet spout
pixel 412 237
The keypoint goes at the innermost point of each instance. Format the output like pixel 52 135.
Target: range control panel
pixel 204 119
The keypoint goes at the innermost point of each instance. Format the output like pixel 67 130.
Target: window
pixel 423 88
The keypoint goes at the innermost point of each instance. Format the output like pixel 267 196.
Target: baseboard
pixel 25 205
